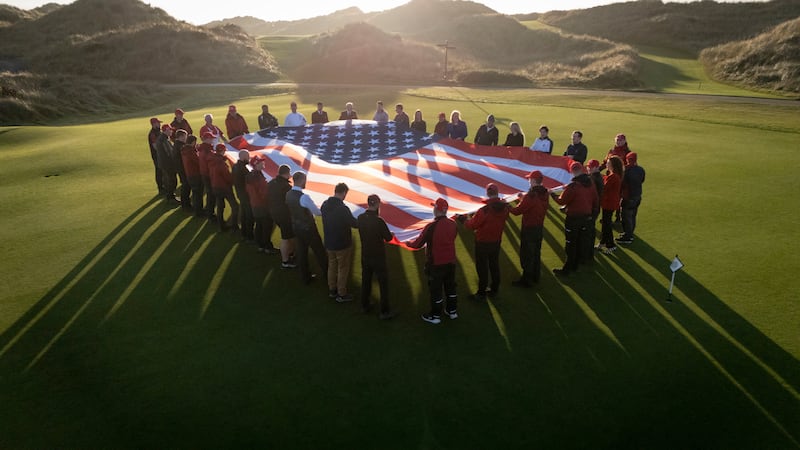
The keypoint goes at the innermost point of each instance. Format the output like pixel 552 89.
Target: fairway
pixel 127 324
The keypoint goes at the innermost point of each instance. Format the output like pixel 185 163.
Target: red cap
pixel 178 111
pixel 220 148
pixel 491 188
pixel 575 165
pixel 166 127
pixel 440 204
pixel 155 120
pixel 207 135
pixel 535 174
pixel 593 163
pixel 631 157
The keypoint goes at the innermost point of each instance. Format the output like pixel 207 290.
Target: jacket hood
pixel 583 179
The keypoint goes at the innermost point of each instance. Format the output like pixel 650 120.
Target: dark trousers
pixel 196 185
pixel 487 262
pixel 246 215
pixel 574 228
pixel 211 199
pixel 530 253
pixel 378 268
pixel 630 208
pixel 607 229
pixel 442 279
pixel 263 229
pixel 309 239
pixel 159 185
pixel 223 195
pixel 186 190
pixel 588 234
pixel 169 181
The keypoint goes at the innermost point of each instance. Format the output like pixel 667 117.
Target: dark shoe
pixel 288 265
pixel 492 293
pixel 478 297
pixel 430 318
pixel 310 278
pixel 561 272
pixel 332 293
pixel 521 283
pixel 624 240
pixel 271 251
pixel 452 315
pixel 344 298
pixel 387 315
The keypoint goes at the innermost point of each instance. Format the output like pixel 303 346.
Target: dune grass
pixel 127 324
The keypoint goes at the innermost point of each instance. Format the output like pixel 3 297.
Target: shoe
pixel 271 251
pixel 261 250
pixel 430 318
pixel 561 272
pixel 624 240
pixel 609 250
pixel 333 293
pixel 600 247
pixel 387 315
pixel 344 298
pixel 453 315
pixel 288 265
pixel 521 283
pixel 492 293
pixel 311 279
pixel 478 297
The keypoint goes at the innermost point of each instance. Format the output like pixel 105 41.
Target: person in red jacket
pixel 609 202
pixel 209 127
pixel 235 123
pixel 222 183
pixel 533 207
pixel 191 167
pixel 580 199
pixel 438 238
pixel 488 223
pixel 258 193
pixel 204 152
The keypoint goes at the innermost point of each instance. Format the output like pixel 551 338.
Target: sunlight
pixel 593 317
pixel 498 321
pixel 78 278
pixel 216 280
pixel 550 311
pixel 190 265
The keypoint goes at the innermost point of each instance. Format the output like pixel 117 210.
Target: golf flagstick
pixel 674 267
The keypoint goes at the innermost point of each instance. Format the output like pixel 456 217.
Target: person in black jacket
pixel 337 220
pixel 487 133
pixel 266 120
pixel 374 234
pixel 166 162
pixel 239 173
pixel 152 137
pixel 278 187
pixel 302 210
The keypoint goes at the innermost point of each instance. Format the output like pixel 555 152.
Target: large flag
pixel 406 168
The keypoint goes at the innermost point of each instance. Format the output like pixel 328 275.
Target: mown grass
pixel 126 324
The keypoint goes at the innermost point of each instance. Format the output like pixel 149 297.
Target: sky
pixel 200 12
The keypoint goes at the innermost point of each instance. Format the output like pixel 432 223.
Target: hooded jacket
pixel 490 221
pixel 580 197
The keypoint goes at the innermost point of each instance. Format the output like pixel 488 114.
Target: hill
pixel 682 26
pixel 10 14
pixel 119 40
pixel 315 25
pixel 770 60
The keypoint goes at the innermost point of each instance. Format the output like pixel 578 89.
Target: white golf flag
pixel 676 264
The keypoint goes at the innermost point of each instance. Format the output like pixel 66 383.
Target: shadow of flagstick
pixel 86 266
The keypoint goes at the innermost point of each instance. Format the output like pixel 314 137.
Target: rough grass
pixel 124 324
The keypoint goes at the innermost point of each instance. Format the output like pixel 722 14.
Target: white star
pixel 357 142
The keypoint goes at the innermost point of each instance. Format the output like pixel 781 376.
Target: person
pixel 235 123
pixel 457 128
pixel 320 115
pixel 533 208
pixel 487 133
pixel 543 143
pixel 266 120
pixel 294 118
pixel 337 220
pixel 593 169
pixel 239 174
pixel 204 151
pixel 442 126
pixel 152 137
pixel 380 114
pixel 401 118
pixel 166 162
pixel 215 131
pixel 186 191
pixel 609 202
pixel 577 151
pixel 222 183
pixel 620 150
pixel 302 210
pixel 438 238
pixel 515 138
pixel 191 167
pixel 488 224
pixel 278 188
pixel 180 123
pixel 418 124
pixel 580 199
pixel 349 113
pixel 258 193
pixel 374 233
pixel 631 197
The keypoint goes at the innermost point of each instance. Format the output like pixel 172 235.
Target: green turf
pixel 127 324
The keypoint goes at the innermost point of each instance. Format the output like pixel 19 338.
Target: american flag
pixel 406 168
